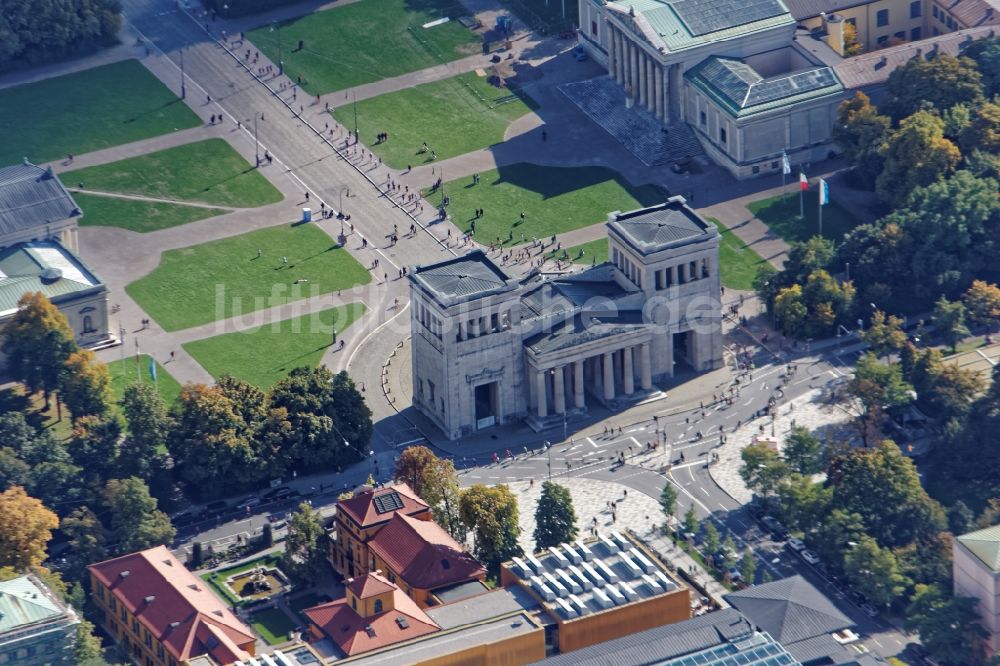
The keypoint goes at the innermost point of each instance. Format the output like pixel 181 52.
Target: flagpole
pixel 820 210
pixel 802 204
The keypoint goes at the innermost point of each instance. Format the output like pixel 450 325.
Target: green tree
pixel 135 521
pixel 729 548
pixel 25 529
pixel 85 535
pixel 862 133
pixel 766 285
pixel 87 650
pixel 802 451
pixel 491 514
pixel 884 334
pixel 833 536
pixel 555 518
pixel 435 481
pixel 748 567
pixel 38 31
pixel 668 501
pixel 95 448
pixel 876 390
pixel 881 485
pixel 690 520
pixel 710 539
pixel 938 83
pixel 961 520
pixel 986 54
pixel 86 385
pixel 982 301
pixel 211 444
pixel 874 572
pixel 37 340
pixel 949 626
pixel 763 469
pixel 790 312
pixel 803 502
pixel 917 155
pixel 983 132
pixel 198 553
pixel 949 319
pixel 148 429
pixel 304 544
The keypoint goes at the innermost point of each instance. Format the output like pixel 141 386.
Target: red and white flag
pixel 803 181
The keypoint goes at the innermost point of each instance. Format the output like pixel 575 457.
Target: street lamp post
pixel 548 448
pixel 183 89
pixel 256 143
pixel 276 28
pixel 340 213
pixel 356 137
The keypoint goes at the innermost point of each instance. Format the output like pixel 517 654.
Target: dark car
pixel 774 527
pixel 213 509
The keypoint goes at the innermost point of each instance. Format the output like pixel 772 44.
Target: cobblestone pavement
pixel 827 421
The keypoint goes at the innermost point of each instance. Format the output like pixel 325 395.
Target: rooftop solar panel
pixel 702 17
pixel 390 501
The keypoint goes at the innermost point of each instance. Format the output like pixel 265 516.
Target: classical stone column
pixel 609 376
pixel 666 92
pixel 628 370
pixel 620 46
pixel 658 94
pixel 578 399
pixel 645 367
pixel 461 331
pixel 558 390
pixel 540 397
pixel 612 56
pixel 633 76
pixel 643 78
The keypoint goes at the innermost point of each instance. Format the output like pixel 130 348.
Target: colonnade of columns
pixel 635 69
pixel 605 371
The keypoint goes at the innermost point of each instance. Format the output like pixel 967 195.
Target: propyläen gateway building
pixel 491 349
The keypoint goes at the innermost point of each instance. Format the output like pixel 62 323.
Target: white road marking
pixel 591 442
pixel 703 490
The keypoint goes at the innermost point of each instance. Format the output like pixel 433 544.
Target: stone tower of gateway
pixel 490 349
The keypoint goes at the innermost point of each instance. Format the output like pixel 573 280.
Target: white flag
pixel 786 167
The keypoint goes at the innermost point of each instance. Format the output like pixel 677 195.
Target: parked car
pixel 809 557
pixel 869 610
pixel 250 502
pixel 580 53
pixel 796 544
pixel 774 527
pixel 183 518
pixel 279 494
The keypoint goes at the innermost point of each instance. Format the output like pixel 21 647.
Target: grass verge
pixel 138 216
pixel 220 279
pixel 267 354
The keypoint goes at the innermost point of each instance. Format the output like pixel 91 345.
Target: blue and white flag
pixel 152 369
pixel 786 166
pixel 824 192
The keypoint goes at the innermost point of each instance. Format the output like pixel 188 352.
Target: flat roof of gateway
pixel 579 580
pixel 670 224
pixel 461 279
pixel 452 593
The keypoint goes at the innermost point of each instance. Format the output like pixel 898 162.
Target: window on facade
pixel 378 605
pixel 113 604
pixel 354 603
pixel 755 169
pixel 882 40
pixel 88 324
pixel 774 164
pixel 852 21
pixel 149 641
pixel 722 135
pixel 916 9
pixel 703 118
pixel 373 564
pixel 100 592
pixel 430 389
pixel 135 627
pixel 882 18
pixel 159 652
pixel 916 34
pixel 124 616
pixel 593 28
pixel 901 35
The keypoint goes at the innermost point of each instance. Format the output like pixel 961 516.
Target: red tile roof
pixel 369 585
pixel 177 608
pixel 372 507
pixel 355 634
pixel 423 554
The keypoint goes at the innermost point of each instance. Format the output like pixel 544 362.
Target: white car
pixel 796 544
pixel 809 557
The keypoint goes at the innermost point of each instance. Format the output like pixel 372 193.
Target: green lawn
pixel 220 279
pixel 453 116
pixel 267 354
pixel 85 111
pixel 272 624
pixel 130 371
pixel 209 171
pixel 594 252
pixel 305 601
pixel 366 41
pixel 554 200
pixel 737 262
pixel 781 212
pixel 139 216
